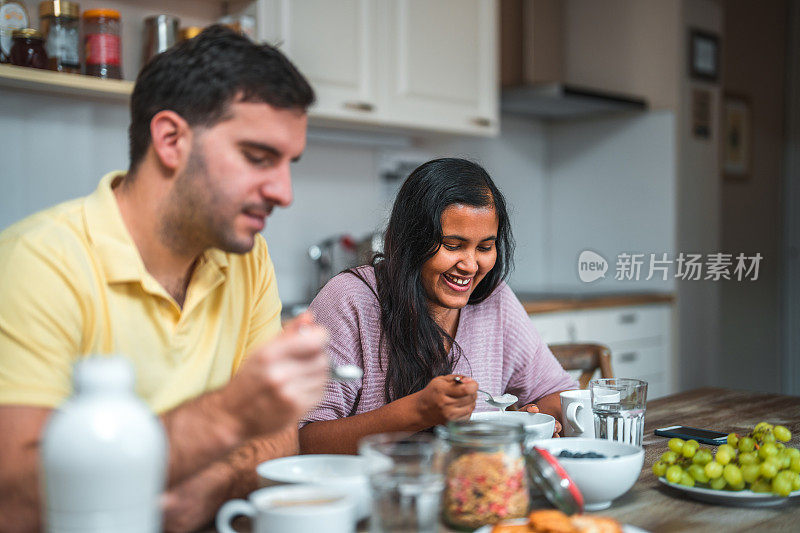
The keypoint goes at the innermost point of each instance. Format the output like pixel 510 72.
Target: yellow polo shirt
pixel 72 283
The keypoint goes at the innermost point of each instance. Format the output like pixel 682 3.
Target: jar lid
pixel 101 13
pixel 189 32
pixel 480 434
pixel 550 476
pixel 59 8
pixel 27 33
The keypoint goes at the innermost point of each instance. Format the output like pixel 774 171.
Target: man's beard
pixel 193 219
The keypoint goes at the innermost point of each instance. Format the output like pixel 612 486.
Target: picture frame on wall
pixel 737 137
pixel 703 55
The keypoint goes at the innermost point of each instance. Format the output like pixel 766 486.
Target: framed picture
pixel 737 137
pixel 701 113
pixel 703 55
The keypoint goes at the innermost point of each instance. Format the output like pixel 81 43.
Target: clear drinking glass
pixel 406 479
pixel 618 405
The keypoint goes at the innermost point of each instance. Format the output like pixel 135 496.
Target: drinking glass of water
pixel 406 480
pixel 618 405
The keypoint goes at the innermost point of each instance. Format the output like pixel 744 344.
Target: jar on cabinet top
pixel 27 49
pixel 485 476
pixel 101 29
pixel 13 16
pixel 189 32
pixel 60 24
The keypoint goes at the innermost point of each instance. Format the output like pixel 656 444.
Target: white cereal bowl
pixel 599 480
pixel 537 425
pixel 346 472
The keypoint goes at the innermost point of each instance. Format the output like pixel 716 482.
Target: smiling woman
pixel 432 306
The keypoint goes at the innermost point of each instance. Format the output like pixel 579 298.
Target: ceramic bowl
pixel 537 425
pixel 346 472
pixel 599 480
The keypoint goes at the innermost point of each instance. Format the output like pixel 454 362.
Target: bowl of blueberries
pixel 602 469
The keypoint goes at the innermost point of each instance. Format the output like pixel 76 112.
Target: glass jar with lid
pixel 60 24
pixel 101 30
pixel 27 49
pixel 485 476
pixel 13 16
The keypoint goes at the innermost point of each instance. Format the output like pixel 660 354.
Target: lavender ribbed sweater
pixel 501 350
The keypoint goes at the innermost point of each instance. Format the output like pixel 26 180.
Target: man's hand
pixel 445 399
pixel 273 388
pixel 280 381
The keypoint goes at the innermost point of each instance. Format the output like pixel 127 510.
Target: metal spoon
pixel 345 372
pixel 501 402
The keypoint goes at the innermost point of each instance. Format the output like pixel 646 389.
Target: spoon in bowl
pixel 501 402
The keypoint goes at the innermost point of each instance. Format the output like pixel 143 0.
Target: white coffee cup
pixel 576 408
pixel 295 508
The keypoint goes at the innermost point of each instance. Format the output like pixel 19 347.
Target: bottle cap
pixel 101 13
pixel 27 33
pixel 59 8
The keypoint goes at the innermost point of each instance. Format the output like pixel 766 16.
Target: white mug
pixel 576 408
pixel 295 508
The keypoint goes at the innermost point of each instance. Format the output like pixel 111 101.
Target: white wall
pixel 603 184
pixel 612 190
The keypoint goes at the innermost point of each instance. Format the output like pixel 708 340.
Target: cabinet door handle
pixel 360 106
pixel 482 122
pixel 628 357
pixel 627 318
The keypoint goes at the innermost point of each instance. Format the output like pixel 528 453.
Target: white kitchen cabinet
pixel 420 64
pixel 441 64
pixel 333 44
pixel 639 338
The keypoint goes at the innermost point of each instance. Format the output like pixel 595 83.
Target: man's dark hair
pixel 200 78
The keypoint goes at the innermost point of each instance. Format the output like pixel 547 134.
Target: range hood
pixel 557 101
pixel 534 36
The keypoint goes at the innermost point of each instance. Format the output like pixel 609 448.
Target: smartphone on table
pixel 705 436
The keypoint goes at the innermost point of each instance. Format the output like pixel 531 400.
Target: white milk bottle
pixel 103 455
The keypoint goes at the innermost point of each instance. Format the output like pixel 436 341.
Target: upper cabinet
pixel 417 64
pixel 333 45
pixel 428 65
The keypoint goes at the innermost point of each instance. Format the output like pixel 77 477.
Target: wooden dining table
pixel 658 508
pixel 654 507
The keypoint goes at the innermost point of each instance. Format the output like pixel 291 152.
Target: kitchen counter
pixel 535 303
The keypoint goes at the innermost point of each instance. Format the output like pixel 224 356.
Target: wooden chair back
pixel 585 357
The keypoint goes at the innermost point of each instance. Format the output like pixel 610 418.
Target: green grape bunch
pixel 759 461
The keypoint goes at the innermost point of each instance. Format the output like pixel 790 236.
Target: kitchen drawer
pixel 555 327
pixel 608 326
pixel 634 360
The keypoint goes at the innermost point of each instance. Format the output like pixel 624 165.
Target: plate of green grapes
pixel 756 469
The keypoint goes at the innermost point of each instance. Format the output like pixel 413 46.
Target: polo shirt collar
pixel 115 248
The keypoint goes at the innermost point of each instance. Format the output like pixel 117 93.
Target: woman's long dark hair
pixel 414 341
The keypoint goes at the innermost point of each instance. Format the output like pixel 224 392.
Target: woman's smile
pixel 457 283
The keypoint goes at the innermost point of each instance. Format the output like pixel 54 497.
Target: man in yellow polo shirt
pixel 164 264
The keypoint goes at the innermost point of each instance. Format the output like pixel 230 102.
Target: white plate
pixel 520 521
pixel 743 498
